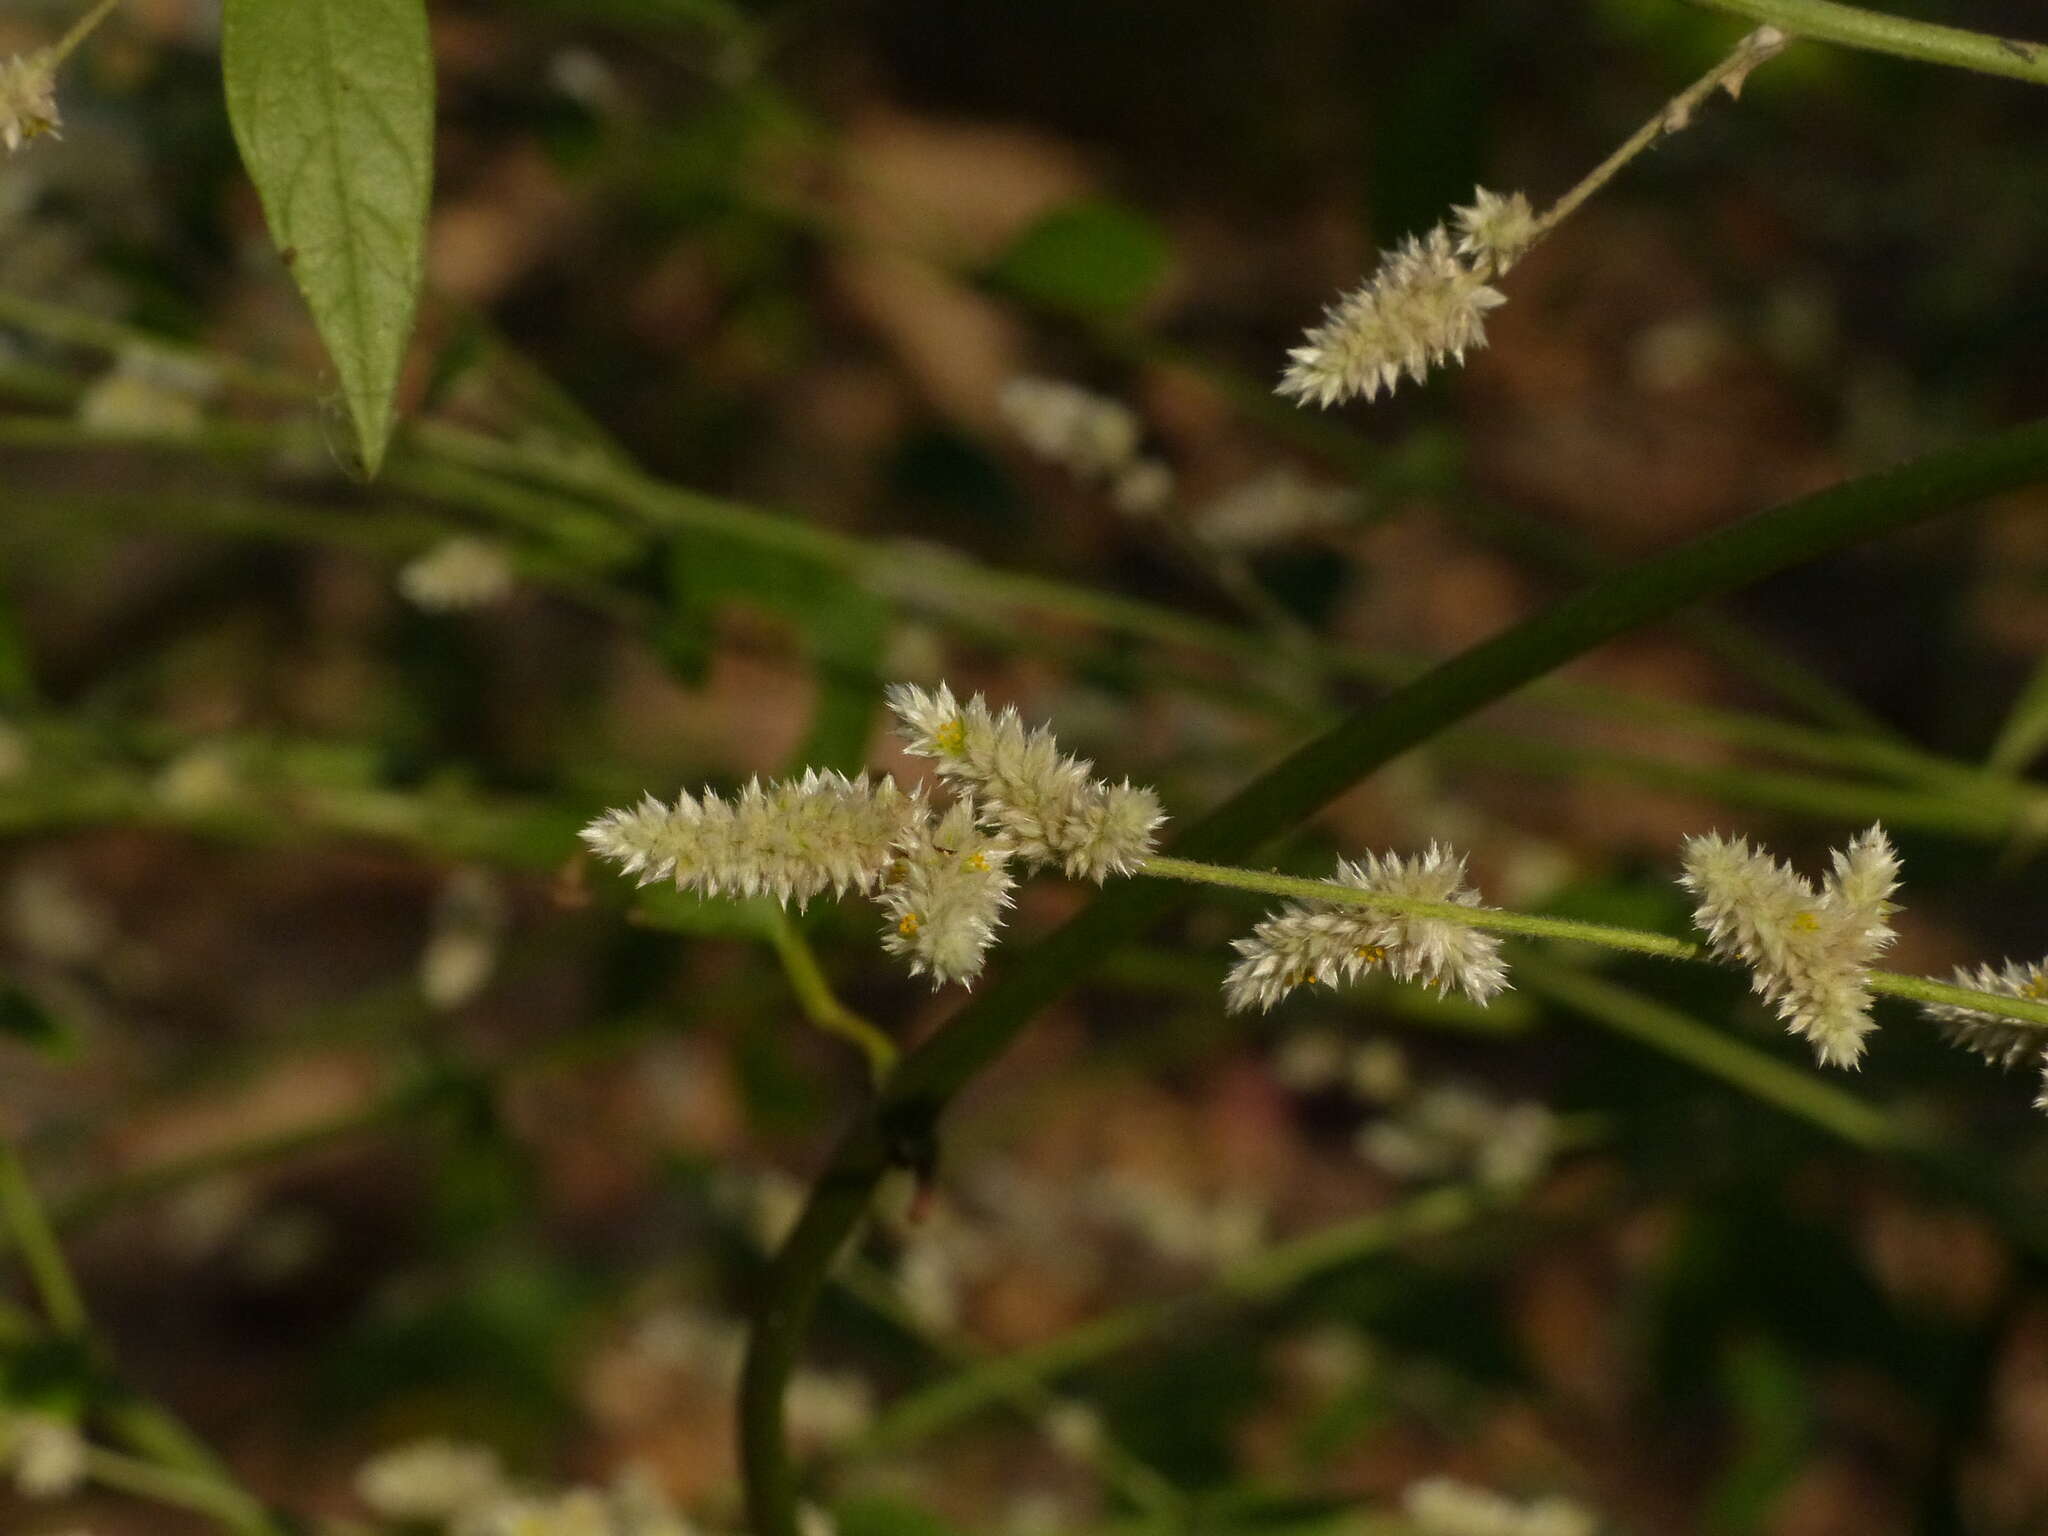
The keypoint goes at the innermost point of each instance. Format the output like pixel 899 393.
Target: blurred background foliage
pixel 369 1113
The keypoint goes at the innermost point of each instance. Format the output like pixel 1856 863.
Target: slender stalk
pixel 820 1004
pixel 233 1509
pixel 36 1240
pixel 80 30
pixel 1673 117
pixel 1535 926
pixel 1854 27
pixel 901 1122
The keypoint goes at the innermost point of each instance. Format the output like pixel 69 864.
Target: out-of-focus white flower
pixel 462 947
pixel 1145 487
pixel 1086 434
pixel 200 779
pixel 1379 1072
pixel 28 98
pixel 1452 1131
pixel 14 756
pixel 827 1408
pixel 946 894
pixel 456 575
pixel 1310 1061
pixel 2003 1042
pixel 1049 804
pixel 1315 942
pixel 45 1455
pixel 1424 306
pixel 1273 508
pixel 1075 1429
pixel 52 918
pixel 791 839
pixel 1442 1506
pixel 147 393
pixel 1808 949
pixel 430 1480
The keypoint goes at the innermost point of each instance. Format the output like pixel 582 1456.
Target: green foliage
pixel 1098 260
pixel 332 103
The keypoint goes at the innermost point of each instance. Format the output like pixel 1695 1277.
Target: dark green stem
pixel 898 1126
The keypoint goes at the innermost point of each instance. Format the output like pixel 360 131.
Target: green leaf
pixel 332 103
pixel 1091 258
pixel 2025 731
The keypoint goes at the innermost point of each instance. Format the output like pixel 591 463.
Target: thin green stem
pixel 1854 27
pixel 820 1004
pixel 80 30
pixel 223 1502
pixel 1570 930
pixel 36 1241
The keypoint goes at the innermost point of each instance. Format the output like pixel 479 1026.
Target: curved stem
pixel 1853 27
pixel 900 1125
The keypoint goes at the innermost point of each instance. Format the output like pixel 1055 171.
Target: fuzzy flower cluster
pixel 1310 942
pixel 1808 948
pixel 44 1455
pixel 1443 1506
pixel 1273 508
pixel 1426 305
pixel 940 872
pixel 791 840
pixel 2002 1042
pixel 1051 806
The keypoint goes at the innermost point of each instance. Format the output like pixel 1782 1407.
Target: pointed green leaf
pixel 332 103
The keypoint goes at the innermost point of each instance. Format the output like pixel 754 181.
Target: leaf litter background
pixel 792 255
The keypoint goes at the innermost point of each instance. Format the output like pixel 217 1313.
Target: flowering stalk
pixel 2020 1010
pixel 1426 304
pixel 28 82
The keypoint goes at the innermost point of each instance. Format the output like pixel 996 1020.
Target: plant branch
pixel 1853 27
pixel 820 1004
pixel 1535 926
pixel 900 1124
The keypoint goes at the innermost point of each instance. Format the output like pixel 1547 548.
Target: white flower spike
pixel 790 840
pixel 1808 948
pixel 1305 943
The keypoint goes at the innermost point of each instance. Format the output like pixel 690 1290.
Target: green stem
pixel 820 1005
pixel 1534 926
pixel 30 1227
pixel 1733 1061
pixel 80 30
pixel 902 1120
pixel 1853 27
pixel 233 1509
pixel 1270 1273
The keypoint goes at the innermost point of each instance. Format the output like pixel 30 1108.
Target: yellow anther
pixel 2037 989
pixel 951 738
pixel 909 925
pixel 1371 954
pixel 1806 922
pixel 976 862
